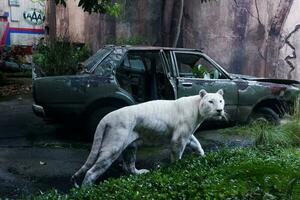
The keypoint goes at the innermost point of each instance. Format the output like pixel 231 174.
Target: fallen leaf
pixel 42 163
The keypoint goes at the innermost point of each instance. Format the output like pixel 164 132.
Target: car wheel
pixel 94 119
pixel 264 115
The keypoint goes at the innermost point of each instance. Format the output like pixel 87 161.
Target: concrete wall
pixel 71 22
pixel 141 18
pixel 234 33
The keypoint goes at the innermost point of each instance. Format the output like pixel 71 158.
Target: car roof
pixel 144 48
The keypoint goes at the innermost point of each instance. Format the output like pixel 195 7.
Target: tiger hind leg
pixel 129 158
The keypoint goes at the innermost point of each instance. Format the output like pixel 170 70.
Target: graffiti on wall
pixel 25 25
pixel 34 16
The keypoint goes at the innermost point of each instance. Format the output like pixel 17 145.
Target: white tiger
pixel 119 131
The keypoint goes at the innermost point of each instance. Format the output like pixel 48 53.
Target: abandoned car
pixel 118 76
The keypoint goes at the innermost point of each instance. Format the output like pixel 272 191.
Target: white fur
pixel 119 131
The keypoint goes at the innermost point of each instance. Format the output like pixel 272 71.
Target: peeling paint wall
pixel 233 32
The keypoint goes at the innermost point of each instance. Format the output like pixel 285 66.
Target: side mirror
pixel 81 69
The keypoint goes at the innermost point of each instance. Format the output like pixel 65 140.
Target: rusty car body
pixel 118 76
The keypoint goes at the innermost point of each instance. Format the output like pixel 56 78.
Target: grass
pixel 254 173
pixel 286 134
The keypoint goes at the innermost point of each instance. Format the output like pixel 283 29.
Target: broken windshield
pixel 96 58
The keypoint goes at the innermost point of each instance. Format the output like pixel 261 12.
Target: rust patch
pixel 278 91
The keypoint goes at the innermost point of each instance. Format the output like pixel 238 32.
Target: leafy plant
pixel 59 58
pixel 200 71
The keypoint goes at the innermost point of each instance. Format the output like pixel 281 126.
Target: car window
pixel 142 62
pixel 136 63
pixel 196 66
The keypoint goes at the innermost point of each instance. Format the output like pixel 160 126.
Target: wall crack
pixel 258 15
pixel 293 55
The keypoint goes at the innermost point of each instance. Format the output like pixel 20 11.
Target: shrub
pixel 228 174
pixel 59 58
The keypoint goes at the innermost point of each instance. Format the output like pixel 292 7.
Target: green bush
pixel 227 174
pixel 59 58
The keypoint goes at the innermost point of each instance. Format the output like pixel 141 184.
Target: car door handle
pixel 187 84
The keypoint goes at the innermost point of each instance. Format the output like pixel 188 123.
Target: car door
pixel 169 70
pixel 196 71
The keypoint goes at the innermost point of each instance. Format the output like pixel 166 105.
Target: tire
pixel 93 120
pixel 264 115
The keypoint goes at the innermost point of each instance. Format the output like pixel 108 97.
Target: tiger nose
pixel 219 110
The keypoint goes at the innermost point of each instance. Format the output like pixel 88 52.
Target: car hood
pixel 268 80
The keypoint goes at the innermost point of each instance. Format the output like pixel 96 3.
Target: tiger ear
pixel 202 93
pixel 220 92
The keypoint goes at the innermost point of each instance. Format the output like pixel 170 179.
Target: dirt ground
pixel 15 86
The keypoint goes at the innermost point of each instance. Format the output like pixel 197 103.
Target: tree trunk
pixel 274 37
pixel 167 22
pixel 51 19
pixel 178 10
pixel 172 19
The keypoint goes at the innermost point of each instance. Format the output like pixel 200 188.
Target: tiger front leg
pixel 196 146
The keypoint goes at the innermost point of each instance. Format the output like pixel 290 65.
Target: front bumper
pixel 38 110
